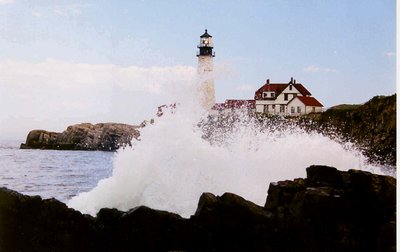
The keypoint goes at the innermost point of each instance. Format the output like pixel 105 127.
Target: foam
pixel 174 163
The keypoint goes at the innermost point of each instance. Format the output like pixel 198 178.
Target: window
pixel 265 108
pixel 282 109
pixel 290 87
pixel 299 109
pixel 286 97
pixel 292 110
pixel 268 94
pixel 313 109
pixel 273 106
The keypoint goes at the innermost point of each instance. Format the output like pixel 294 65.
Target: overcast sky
pixel 66 62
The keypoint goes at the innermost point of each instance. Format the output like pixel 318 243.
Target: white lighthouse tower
pixel 205 71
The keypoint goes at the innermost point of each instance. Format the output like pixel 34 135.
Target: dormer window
pixel 290 87
pixel 268 94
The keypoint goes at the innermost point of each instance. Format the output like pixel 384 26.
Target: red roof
pixel 278 88
pixel 302 89
pixel 310 101
pixel 235 104
pixel 218 106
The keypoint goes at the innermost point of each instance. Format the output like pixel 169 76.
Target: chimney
pixel 291 80
pixel 267 81
pixel 294 81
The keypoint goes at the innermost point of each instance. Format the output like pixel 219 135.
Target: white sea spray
pixel 186 153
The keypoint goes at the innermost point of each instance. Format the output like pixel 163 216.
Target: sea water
pixel 50 173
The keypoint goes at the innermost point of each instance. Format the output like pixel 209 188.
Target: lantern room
pixel 206 45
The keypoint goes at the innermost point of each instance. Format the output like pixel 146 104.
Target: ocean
pixel 50 173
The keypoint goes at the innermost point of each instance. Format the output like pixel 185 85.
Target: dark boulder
pixel 32 224
pixel 330 210
pixel 230 223
pixel 335 211
pixel 141 228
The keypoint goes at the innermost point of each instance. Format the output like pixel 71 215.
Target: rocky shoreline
pixel 370 126
pixel 330 210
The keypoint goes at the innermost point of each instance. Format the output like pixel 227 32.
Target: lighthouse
pixel 205 71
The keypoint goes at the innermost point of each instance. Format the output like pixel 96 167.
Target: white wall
pixel 206 79
pixel 260 107
pixel 304 109
pixel 295 104
pixel 281 98
pixel 317 109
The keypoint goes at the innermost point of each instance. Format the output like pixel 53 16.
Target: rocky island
pixel 84 136
pixel 330 210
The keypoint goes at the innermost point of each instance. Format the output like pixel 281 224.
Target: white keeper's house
pixel 286 99
pixel 290 99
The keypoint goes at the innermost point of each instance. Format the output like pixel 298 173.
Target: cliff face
pixel 328 211
pixel 85 136
pixel 371 126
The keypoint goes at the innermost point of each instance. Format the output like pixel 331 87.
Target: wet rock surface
pixel 84 136
pixel 330 210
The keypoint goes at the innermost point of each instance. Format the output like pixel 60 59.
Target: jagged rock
pixel 84 136
pixel 32 224
pixel 39 138
pixel 141 229
pixel 335 211
pixel 330 210
pixel 230 223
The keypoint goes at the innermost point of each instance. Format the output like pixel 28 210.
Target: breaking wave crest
pixel 181 156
